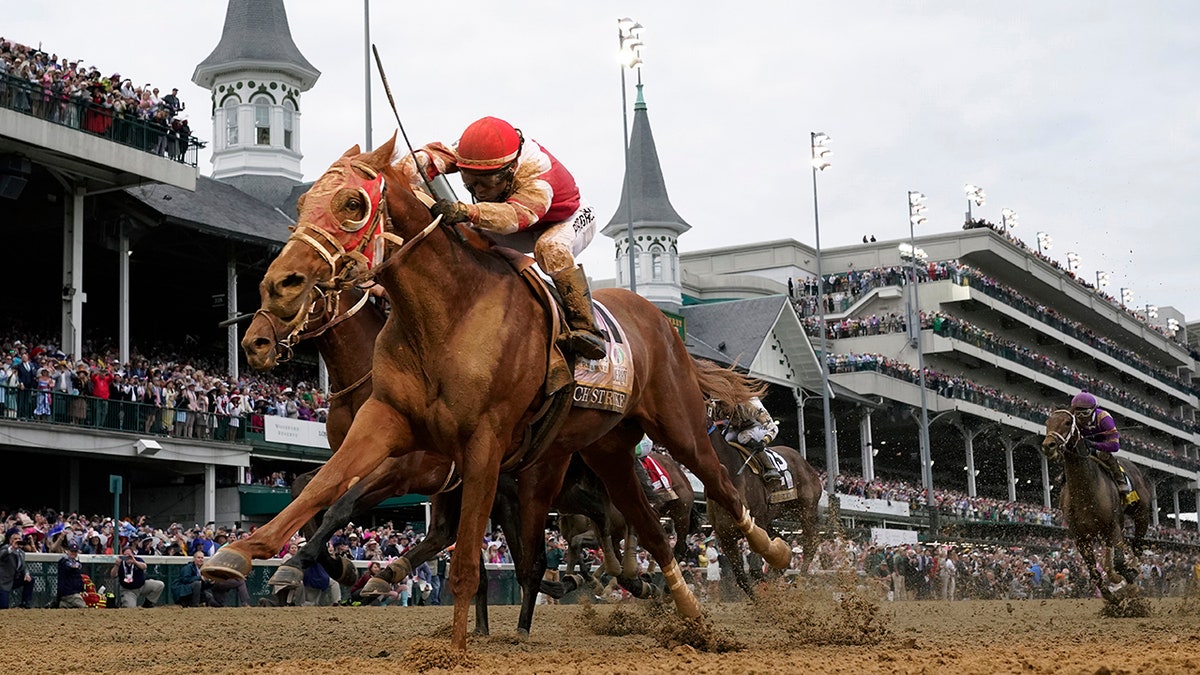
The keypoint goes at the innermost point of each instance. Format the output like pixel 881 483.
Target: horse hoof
pixel 778 555
pixel 286 577
pixel 226 564
pixel 375 587
pixel 1117 588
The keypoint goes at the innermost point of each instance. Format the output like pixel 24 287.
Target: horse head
pixel 1062 435
pixel 345 220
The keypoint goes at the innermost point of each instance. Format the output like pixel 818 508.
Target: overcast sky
pixel 1083 117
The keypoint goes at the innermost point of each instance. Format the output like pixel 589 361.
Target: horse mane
pixel 727 385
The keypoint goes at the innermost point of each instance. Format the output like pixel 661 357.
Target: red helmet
pixel 488 144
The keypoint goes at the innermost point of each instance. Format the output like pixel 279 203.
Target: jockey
pixel 656 496
pixel 516 186
pixel 752 426
pixel 1099 431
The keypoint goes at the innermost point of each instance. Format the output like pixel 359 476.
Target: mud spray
pixel 658 621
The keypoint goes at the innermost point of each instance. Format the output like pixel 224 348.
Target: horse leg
pixel 444 511
pixel 535 488
pixel 382 483
pixel 379 431
pixel 629 566
pixel 1088 553
pixel 298 486
pixel 610 459
pixel 727 535
pixel 480 471
pixel 684 434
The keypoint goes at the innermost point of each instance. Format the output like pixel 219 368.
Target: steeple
pixel 656 225
pixel 256 75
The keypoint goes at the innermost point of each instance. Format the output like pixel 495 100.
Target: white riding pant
pixel 558 244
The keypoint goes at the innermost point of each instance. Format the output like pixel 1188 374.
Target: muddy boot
pixel 653 496
pixel 770 474
pixel 584 338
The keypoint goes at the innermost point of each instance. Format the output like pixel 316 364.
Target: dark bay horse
pixel 1094 508
pixel 618 561
pixel 803 509
pixel 460 369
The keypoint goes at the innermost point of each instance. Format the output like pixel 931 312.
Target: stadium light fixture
pixel 1044 243
pixel 1008 219
pixel 820 161
pixel 1072 261
pixel 976 196
pixel 916 216
pixel 1126 297
pixel 630 54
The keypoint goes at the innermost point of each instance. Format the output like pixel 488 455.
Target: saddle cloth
pixel 605 384
pixel 788 492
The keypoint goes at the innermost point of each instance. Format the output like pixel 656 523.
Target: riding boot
pixel 653 496
pixel 770 474
pixel 584 338
pixel 1116 471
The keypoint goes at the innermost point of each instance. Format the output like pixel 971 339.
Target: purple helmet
pixel 1083 401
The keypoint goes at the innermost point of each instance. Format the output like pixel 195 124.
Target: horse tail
pixel 726 384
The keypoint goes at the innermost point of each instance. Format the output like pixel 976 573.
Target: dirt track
pixel 786 634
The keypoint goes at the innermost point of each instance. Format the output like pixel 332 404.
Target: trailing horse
pixel 1093 506
pixel 461 369
pixel 728 390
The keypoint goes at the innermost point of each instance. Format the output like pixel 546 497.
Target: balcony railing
pixel 84 115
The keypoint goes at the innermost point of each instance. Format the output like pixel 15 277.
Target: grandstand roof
pixel 256 35
pixel 217 208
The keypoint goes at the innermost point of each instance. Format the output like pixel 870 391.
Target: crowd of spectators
pixel 961 388
pixel 71 93
pixel 1069 273
pixel 184 398
pixel 850 286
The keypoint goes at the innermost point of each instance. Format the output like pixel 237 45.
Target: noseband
pixel 1070 441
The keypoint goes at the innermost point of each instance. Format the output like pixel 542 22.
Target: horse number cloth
pixel 605 384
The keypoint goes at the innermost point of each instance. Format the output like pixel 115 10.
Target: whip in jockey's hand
pixel 452 212
pixel 517 185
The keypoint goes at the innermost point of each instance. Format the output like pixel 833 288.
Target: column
pixel 969 443
pixel 210 493
pixel 73 487
pixel 231 310
pixel 1153 505
pixel 802 447
pixel 1045 481
pixel 1175 503
pixel 1009 472
pixel 866 444
pixel 123 290
pixel 72 278
pixel 836 468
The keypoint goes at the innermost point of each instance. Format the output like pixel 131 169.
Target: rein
pixel 1074 433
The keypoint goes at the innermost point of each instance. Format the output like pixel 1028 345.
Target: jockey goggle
pixel 490 186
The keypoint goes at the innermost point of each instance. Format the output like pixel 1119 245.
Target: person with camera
pixel 136 589
pixel 14 578
pixel 70 579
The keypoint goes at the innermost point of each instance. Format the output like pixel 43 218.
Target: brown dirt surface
pixel 786 631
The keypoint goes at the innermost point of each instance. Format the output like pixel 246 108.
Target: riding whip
pixel 392 102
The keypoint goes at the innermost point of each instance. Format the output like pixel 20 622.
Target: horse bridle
pixel 329 300
pixel 377 222
pixel 1073 434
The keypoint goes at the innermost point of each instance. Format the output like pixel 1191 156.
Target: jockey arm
pixel 1102 434
pixel 532 195
pixel 756 424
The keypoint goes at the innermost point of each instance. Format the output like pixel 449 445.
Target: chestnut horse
pixel 344 327
pixel 1094 508
pixel 460 369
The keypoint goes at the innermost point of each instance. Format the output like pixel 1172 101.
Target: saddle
pixel 603 385
pixel 754 461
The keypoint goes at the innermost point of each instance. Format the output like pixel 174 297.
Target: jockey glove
pixel 451 212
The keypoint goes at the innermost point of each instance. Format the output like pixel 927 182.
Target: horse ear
pixel 353 152
pixel 380 158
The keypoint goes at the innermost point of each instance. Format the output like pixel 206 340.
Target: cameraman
pixel 136 589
